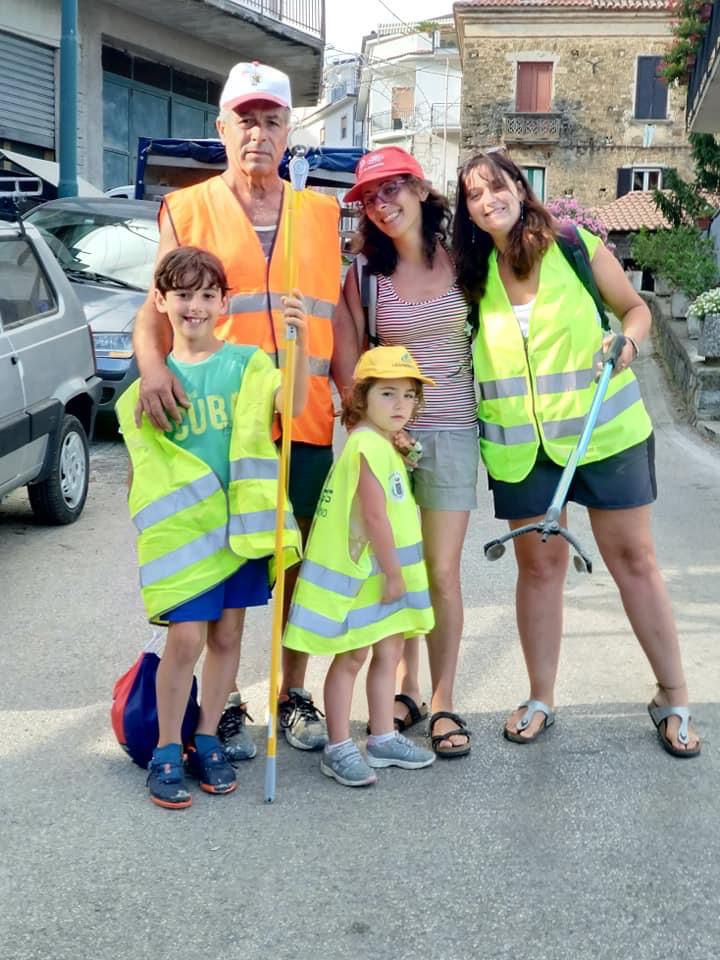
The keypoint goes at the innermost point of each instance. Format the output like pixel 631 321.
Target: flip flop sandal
pixel 414 715
pixel 461 730
pixel 532 707
pixel 659 716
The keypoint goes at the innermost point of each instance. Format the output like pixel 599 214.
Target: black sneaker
pixel 166 784
pixel 232 731
pixel 212 769
pixel 302 721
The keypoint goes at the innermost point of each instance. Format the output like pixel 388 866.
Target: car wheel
pixel 60 498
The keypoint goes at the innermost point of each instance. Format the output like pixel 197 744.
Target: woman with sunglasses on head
pixel 402 235
pixel 536 352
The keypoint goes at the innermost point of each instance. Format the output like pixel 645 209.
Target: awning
pixel 49 171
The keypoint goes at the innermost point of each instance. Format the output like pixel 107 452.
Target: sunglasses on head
pixel 385 192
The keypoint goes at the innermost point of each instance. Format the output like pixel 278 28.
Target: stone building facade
pixel 570 89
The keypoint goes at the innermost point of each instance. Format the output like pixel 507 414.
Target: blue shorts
pixel 247 587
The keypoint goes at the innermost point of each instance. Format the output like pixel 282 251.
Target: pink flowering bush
pixel 567 208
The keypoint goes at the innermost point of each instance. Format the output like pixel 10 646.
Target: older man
pixel 241 216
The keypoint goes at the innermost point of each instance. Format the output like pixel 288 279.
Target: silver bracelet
pixel 634 344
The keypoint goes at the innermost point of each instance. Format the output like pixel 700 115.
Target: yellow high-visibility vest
pixel 192 534
pixel 539 392
pixel 337 604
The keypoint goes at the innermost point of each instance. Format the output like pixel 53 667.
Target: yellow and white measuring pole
pixel 299 170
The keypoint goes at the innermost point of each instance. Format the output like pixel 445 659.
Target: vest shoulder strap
pixel 573 248
pixel 367 287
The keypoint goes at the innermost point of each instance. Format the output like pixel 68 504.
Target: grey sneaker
pixel 232 732
pixel 347 765
pixel 399 752
pixel 302 721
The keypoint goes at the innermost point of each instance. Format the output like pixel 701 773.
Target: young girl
pixel 363 582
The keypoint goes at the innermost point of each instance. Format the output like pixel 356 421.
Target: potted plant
pixel 704 312
pixel 684 257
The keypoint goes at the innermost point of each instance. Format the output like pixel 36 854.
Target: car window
pixel 119 247
pixel 24 289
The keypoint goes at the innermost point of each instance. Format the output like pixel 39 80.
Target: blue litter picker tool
pixel 550 525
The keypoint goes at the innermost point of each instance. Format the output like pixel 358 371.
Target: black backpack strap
pixel 576 253
pixel 367 288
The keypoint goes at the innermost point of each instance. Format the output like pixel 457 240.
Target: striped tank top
pixel 434 333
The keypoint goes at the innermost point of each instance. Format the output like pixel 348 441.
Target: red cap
pixel 381 165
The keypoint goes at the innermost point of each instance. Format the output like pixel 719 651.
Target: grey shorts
pixel 446 476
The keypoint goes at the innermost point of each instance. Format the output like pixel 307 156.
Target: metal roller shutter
pixel 27 91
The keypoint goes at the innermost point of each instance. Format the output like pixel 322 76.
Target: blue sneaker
pixel 399 752
pixel 211 768
pixel 347 765
pixel 166 783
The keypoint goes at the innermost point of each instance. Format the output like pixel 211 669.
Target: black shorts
pixel 620 482
pixel 309 466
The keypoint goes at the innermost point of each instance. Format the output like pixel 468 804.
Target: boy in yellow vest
pixel 363 582
pixel 191 288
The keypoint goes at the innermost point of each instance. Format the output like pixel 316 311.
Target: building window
pixel 650 90
pixel 536 179
pixel 343 127
pixel 630 179
pixel 322 135
pixel 402 105
pixel 534 87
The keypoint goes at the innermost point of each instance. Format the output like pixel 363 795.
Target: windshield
pixel 106 245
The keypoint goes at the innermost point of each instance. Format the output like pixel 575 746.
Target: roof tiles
pixel 599 5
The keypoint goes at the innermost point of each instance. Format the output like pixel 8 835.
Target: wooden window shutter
pixel 624 180
pixel 650 91
pixel 534 87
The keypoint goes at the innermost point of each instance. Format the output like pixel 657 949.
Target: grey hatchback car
pixel 49 390
pixel 107 247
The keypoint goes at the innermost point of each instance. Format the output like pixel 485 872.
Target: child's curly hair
pixel 354 401
pixel 190 268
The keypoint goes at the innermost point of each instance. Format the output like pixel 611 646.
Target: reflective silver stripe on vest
pixel 319 366
pixel 502 389
pixel 254 468
pixel 258 521
pixel 611 408
pixel 305 619
pixel 569 380
pixel 508 436
pixel 247 302
pixel 346 585
pixel 177 560
pixel 181 499
pixel 254 302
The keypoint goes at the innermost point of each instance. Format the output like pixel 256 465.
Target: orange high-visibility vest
pixel 208 215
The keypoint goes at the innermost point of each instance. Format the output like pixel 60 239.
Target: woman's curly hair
pixel 530 237
pixel 380 250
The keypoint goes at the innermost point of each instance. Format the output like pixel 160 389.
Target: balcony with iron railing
pixel 703 96
pixel 435 116
pixel 532 127
pixel 305 15
pixel 289 34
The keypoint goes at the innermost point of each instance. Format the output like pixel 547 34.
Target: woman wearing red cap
pixel 416 302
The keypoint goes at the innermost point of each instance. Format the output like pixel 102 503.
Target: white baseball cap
pixel 247 82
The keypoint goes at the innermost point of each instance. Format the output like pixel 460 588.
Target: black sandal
pixel 462 730
pixel 414 715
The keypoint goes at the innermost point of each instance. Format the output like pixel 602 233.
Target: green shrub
pixel 683 256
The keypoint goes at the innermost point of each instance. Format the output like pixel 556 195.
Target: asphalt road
pixel 591 843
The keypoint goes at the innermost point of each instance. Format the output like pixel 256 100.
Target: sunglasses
pixel 384 194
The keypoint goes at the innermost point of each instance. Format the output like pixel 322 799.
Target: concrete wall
pixel 593 91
